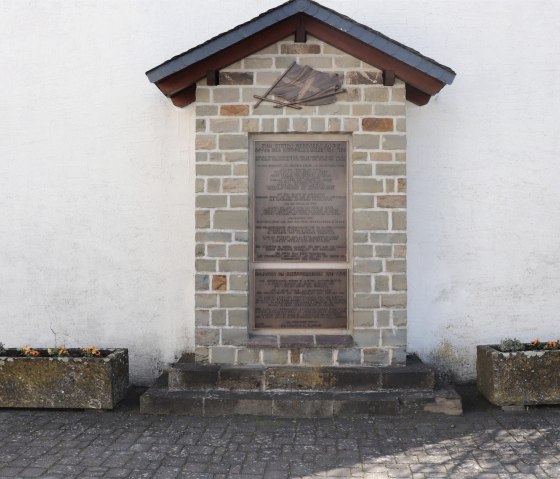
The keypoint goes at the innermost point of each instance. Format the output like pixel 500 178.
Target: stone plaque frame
pixel 292 265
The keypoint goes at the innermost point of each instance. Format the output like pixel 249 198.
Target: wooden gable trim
pixel 179 86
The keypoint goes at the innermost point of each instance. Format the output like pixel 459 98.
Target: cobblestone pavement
pixel 484 443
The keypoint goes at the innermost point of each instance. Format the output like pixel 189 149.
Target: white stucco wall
pixel 96 174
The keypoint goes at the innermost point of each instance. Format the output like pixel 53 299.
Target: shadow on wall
pixel 453 364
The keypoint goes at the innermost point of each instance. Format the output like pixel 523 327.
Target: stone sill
pixel 296 341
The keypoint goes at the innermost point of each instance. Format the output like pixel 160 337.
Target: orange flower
pixel 535 342
pixel 551 344
pixel 35 353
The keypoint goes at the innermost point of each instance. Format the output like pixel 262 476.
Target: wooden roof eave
pixel 180 87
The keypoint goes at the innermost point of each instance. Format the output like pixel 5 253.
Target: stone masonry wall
pixel 375 117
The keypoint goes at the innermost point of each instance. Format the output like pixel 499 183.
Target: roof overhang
pixel 177 77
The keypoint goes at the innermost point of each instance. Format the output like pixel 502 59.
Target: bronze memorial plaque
pixel 301 298
pixel 300 201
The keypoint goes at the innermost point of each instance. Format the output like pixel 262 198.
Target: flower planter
pixel 63 382
pixel 518 378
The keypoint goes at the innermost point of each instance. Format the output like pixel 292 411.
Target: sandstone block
pixel 376 94
pixel 398 220
pixel 200 126
pixel 362 283
pixel 399 318
pixel 387 169
pixel 364 78
pixel 365 141
pixel 393 300
pixel 393 142
pixel 363 201
pixel 398 282
pixel 346 61
pixel 300 48
pixel 396 266
pixel 248 356
pixel 201 282
pixel 202 317
pixel 376 357
pixel 233 300
pixel 370 220
pixel 363 319
pixel 318 356
pixel 366 301
pixel 233 265
pixel 213 170
pixel 239 201
pixel 202 265
pixel 219 317
pixel 377 124
pixel 366 337
pixel 382 318
pixel 216 250
pixel 207 336
pixel 391 201
pixel 381 283
pixel 254 63
pixel 349 356
pixel 238 317
pixel 275 356
pixel 222 355
pixel 238 251
pixel 363 251
pixel 235 78
pixel 233 110
pixel 219 282
pixel 221 125
pixel 367 185
pixel 361 170
pixel 204 300
pixel 230 219
pixel 323 61
pixel 212 236
pixel 239 282
pixel 202 219
pixel 211 201
pixel 225 95
pixel 389 110
pixel 368 266
pixel 205 142
pixel 235 185
pixel 393 337
pixel 206 110
pixel 233 142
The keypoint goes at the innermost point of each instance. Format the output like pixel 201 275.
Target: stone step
pixel 415 375
pixel 297 403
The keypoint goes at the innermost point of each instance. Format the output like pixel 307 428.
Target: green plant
pixel 29 352
pixel 2 348
pixel 510 345
pixel 91 352
pixel 58 352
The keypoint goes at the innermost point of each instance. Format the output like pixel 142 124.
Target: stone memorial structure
pixel 301 201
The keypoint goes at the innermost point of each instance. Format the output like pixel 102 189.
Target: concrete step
pixel 194 376
pixel 158 400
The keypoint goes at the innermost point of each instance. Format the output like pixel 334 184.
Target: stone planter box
pixel 518 379
pixel 84 383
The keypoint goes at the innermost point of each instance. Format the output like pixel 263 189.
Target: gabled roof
pixel 423 76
